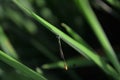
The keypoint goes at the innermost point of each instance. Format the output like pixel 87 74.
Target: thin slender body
pixel 61 54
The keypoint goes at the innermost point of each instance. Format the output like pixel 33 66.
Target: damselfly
pixel 61 53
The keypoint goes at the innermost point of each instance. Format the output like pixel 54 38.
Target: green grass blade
pixel 28 10
pixel 76 45
pixel 6 45
pixel 19 66
pixel 73 33
pixel 67 39
pixel 100 34
pixel 115 3
pixel 76 36
pixel 24 5
pixel 72 63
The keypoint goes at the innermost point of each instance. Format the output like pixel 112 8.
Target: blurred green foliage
pixel 25 39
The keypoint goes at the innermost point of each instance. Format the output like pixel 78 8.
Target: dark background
pixel 56 12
